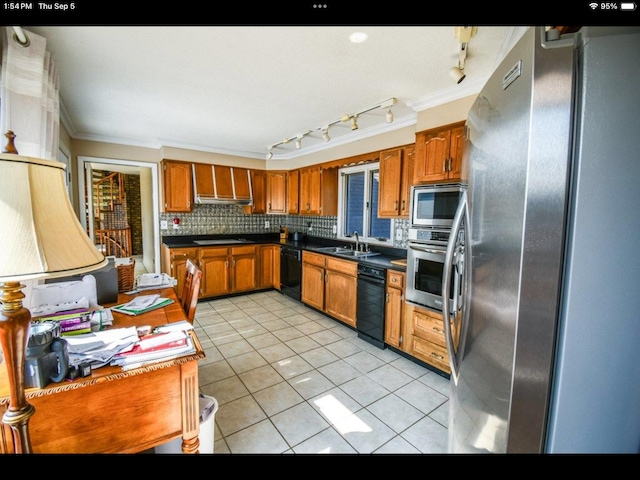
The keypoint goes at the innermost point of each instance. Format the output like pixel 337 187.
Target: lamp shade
pixel 41 235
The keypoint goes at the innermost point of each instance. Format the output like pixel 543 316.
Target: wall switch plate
pixel 266 224
pixel 163 224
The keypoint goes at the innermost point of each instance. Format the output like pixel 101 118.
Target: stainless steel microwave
pixel 434 205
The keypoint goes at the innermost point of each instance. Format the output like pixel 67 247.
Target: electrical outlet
pixel 398 234
pixel 266 224
pixel 163 224
pixel 335 229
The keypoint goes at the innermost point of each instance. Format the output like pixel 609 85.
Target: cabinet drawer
pixel 212 252
pixel 313 258
pixel 244 250
pixel 344 266
pixel 395 279
pixel 180 253
pixel 429 327
pixel 431 353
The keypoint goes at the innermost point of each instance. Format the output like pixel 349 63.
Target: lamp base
pixel 14 332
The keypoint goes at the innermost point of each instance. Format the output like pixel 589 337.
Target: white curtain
pixel 29 96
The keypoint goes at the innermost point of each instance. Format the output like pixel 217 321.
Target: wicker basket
pixel 126 275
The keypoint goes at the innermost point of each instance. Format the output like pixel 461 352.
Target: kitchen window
pixel 358 205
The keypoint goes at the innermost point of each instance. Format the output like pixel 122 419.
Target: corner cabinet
pixel 438 156
pixel 178 189
pixel 394 308
pixel 330 285
pixel 396 176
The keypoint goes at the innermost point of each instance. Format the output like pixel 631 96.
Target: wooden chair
pixel 191 289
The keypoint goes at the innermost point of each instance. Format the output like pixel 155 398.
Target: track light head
pixel 299 143
pixel 325 133
pixel 270 154
pixel 389 116
pixel 457 74
pixel 354 122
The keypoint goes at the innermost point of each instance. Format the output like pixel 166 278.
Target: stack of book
pixel 72 322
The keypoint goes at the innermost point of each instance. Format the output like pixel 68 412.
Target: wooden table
pixel 113 411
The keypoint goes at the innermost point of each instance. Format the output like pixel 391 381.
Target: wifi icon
pixel 593 5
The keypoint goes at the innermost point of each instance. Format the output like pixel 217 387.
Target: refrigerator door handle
pixel 447 271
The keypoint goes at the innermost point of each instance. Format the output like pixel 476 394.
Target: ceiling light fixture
pixel 463 35
pixel 347 117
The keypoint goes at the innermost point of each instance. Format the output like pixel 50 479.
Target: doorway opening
pixel 148 198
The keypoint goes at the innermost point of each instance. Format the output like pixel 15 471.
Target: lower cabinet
pixel 424 337
pixel 394 308
pixel 269 266
pixel 330 284
pixel 174 261
pixel 228 270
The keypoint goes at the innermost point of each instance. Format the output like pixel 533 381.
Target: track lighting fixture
pixel 325 133
pixel 463 35
pixel 347 117
pixel 457 74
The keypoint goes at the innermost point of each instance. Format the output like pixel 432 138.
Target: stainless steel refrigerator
pixel 548 359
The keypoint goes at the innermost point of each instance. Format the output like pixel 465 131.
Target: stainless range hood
pixel 220 184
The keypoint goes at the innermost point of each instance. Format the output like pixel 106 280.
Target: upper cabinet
pixel 259 186
pixel 396 175
pixel 276 192
pixel 318 191
pixel 178 192
pixel 438 154
pixel 293 191
pixel 221 184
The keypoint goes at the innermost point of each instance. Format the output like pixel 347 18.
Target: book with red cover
pixel 156 347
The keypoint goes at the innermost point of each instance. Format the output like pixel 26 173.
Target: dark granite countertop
pixel 311 243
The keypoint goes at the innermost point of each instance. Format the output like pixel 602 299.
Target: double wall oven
pixel 433 208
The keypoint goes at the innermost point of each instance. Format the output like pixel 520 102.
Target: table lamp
pixel 41 238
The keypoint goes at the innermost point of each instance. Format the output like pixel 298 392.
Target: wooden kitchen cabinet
pixel 178 188
pixel 228 270
pixel 438 154
pixel 394 308
pixel 277 192
pixel 396 176
pixel 269 266
pixel 310 190
pixel 174 261
pixel 330 285
pixel 259 187
pixel 293 191
pixel 424 334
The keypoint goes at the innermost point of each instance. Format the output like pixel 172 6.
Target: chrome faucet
pixel 357 240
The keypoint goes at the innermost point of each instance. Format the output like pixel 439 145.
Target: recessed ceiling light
pixel 358 37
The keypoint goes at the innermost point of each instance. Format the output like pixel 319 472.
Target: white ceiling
pixel 238 90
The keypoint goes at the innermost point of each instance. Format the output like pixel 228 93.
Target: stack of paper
pixel 153 281
pixel 154 348
pixel 142 304
pixel 98 348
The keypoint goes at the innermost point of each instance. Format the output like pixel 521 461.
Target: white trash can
pixel 208 409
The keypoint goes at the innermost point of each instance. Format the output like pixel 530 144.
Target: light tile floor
pixel 288 379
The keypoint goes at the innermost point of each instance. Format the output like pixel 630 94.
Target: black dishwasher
pixel 371 304
pixel 290 271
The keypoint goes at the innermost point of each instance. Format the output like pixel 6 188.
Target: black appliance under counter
pixel 291 272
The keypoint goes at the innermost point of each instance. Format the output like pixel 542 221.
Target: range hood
pixel 220 184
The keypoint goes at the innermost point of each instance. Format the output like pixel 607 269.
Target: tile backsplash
pixel 224 219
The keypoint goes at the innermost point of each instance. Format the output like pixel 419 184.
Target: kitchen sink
pixel 346 252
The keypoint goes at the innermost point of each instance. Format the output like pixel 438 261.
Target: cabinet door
pixel 408 161
pixel 310 190
pixel 224 181
pixel 340 296
pixel 394 308
pixel 178 191
pixel 178 264
pixel 215 266
pixel 242 182
pixel 269 266
pixel 259 187
pixel 276 192
pixel 432 156
pixel 455 153
pixel 390 183
pixel 293 191
pixel 312 285
pixel 244 265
